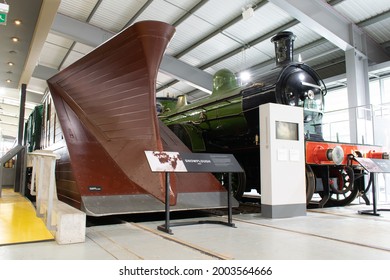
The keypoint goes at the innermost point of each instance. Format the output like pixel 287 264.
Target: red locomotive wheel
pixel 310 183
pixel 343 192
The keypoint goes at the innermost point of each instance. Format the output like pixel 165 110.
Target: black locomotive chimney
pixel 284 47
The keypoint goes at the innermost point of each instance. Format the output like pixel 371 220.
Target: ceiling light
pixel 10 63
pixel 15 39
pixel 247 12
pixel 17 22
pixel 8 81
pixel 245 76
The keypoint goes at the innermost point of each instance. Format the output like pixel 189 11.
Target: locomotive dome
pixel 224 80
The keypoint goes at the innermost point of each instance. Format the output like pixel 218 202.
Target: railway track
pixel 145 225
pixel 138 221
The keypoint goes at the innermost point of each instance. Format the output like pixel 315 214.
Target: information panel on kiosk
pixel 374 165
pixel 163 161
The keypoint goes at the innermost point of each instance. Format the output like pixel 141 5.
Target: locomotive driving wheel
pixel 310 183
pixel 342 190
pixel 238 183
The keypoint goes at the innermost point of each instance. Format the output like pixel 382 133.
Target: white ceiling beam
pixel 323 19
pixel 79 31
pixel 11 96
pixel 46 16
pixel 184 72
pixel 44 72
pixel 93 36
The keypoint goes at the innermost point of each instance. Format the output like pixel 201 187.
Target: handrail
pixel 9 155
pixel 43 182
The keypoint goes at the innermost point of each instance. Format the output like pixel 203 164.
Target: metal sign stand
pixel 374 210
pixel 166 227
pixel 373 166
pixel 195 163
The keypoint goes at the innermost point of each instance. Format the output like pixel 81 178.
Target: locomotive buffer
pixel 170 162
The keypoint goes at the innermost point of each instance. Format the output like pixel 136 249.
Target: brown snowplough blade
pixel 106 105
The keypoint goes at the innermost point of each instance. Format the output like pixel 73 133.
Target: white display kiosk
pixel 282 161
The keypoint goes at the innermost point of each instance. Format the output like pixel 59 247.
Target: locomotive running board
pixel 106 105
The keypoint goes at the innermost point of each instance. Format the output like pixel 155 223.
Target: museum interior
pixel 195 130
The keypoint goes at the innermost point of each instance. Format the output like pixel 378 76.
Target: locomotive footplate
pixel 339 179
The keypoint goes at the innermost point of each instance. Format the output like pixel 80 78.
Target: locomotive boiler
pixel 227 121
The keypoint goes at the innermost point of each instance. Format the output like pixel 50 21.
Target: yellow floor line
pixel 18 220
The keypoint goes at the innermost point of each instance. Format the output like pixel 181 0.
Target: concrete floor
pixel 323 234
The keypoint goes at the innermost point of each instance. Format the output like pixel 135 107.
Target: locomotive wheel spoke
pixel 344 192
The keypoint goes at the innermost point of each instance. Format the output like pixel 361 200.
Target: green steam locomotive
pixel 227 121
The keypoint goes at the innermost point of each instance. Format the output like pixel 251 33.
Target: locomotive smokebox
pixel 284 47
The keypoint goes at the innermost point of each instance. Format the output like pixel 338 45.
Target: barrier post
pixel 65 222
pixel 45 183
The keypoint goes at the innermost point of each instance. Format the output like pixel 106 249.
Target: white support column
pixel 357 86
pixel 357 79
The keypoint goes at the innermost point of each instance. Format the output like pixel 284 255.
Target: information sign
pixel 3 18
pixel 373 165
pixel 192 162
pixel 163 161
